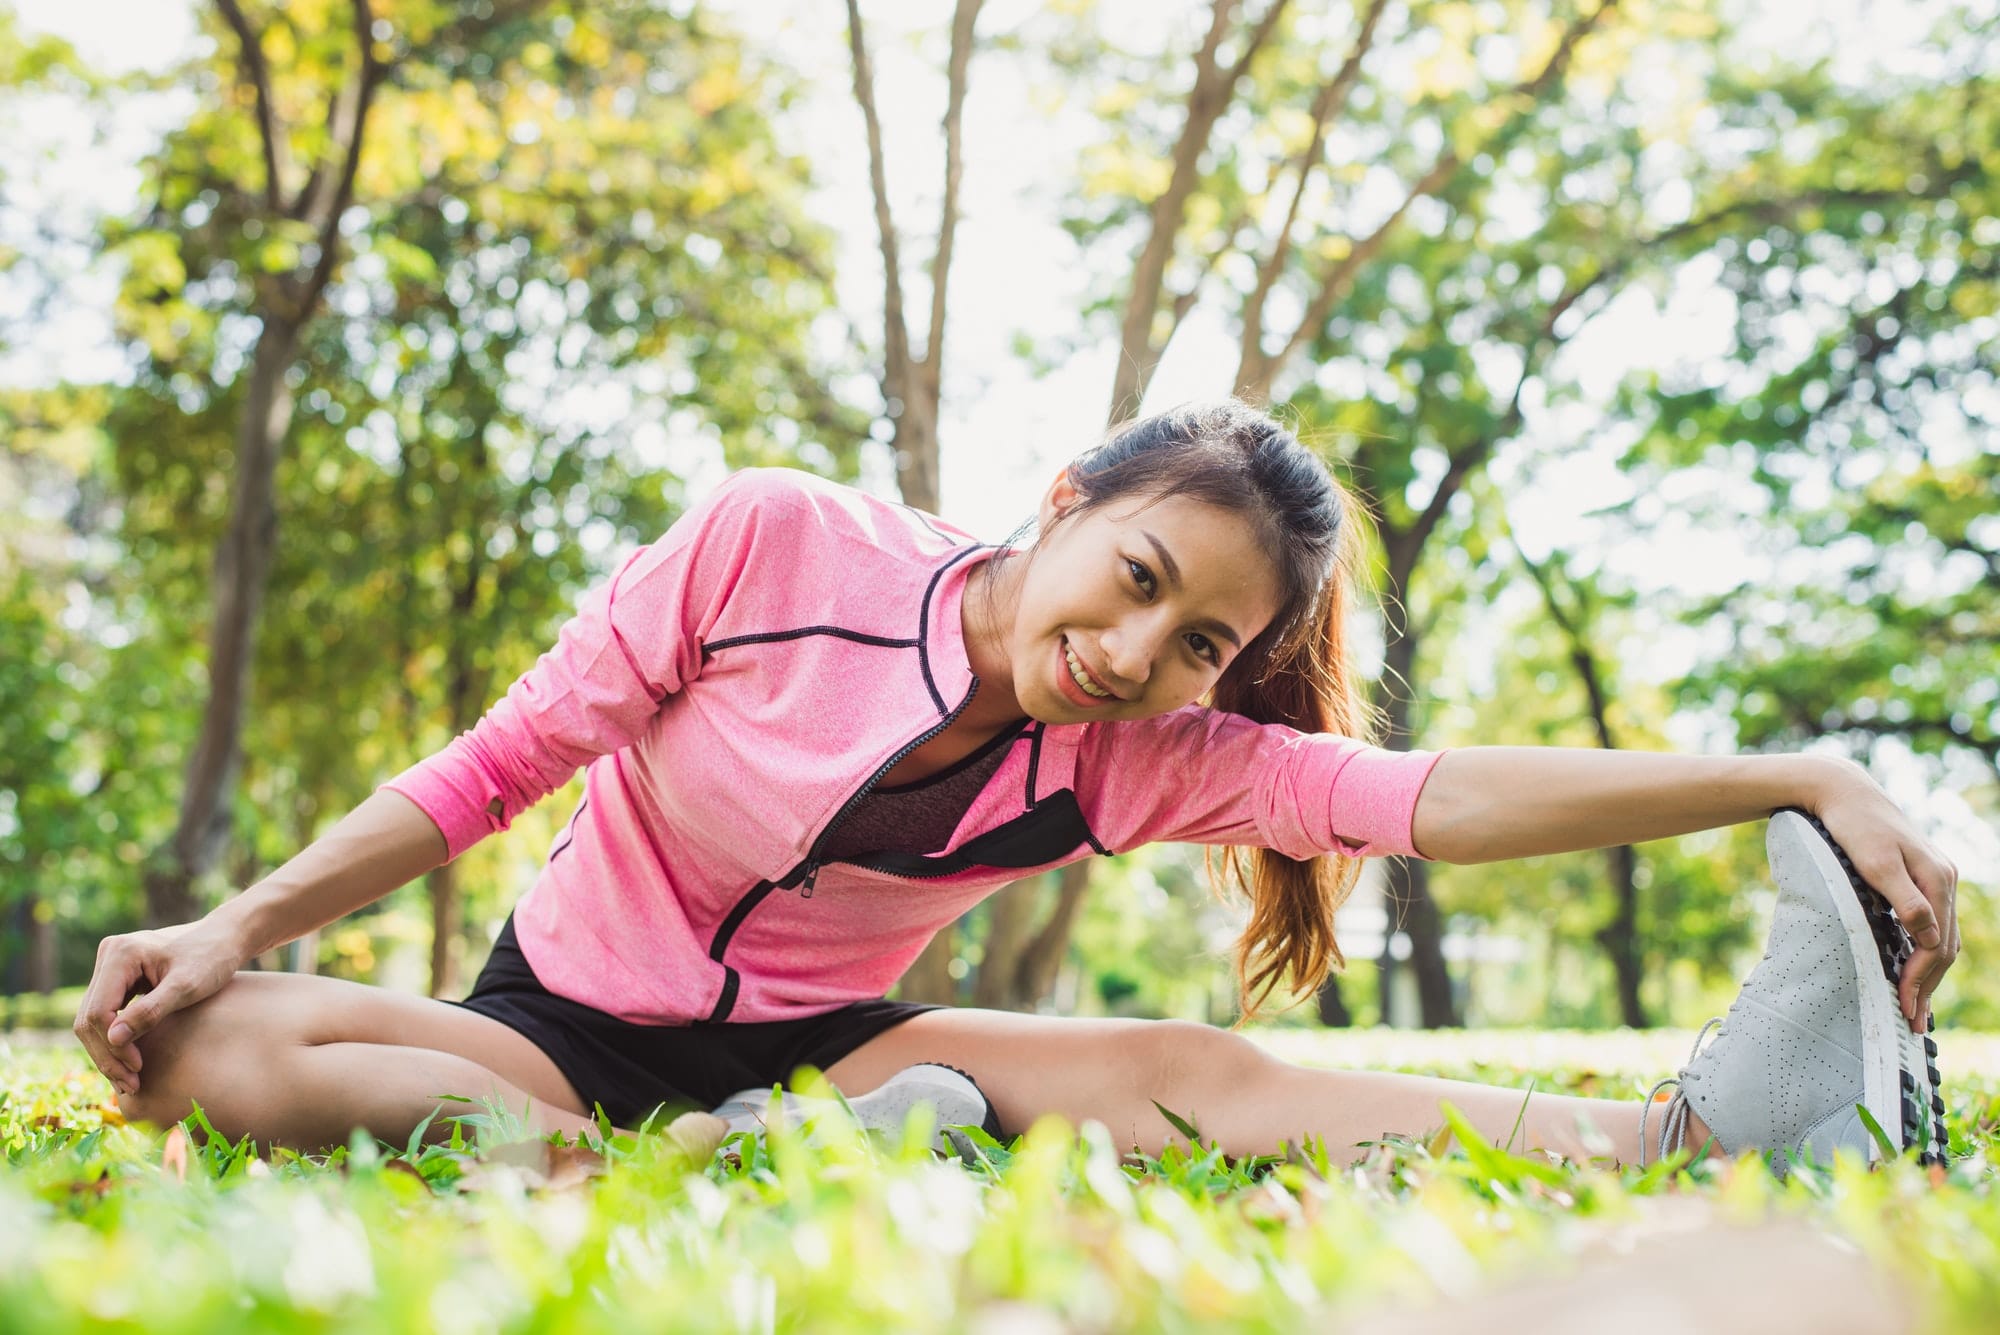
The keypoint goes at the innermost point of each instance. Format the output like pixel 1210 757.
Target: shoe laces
pixel 1673 1125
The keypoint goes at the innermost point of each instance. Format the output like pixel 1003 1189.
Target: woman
pixel 819 726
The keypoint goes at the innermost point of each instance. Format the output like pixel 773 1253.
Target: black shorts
pixel 631 1069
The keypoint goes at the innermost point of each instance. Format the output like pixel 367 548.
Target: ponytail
pixel 1307 684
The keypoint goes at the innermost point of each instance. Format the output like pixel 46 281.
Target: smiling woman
pixel 817 727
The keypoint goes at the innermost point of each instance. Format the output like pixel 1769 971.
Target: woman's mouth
pixel 1077 683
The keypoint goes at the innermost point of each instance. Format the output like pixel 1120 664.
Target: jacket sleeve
pixel 635 639
pixel 1203 776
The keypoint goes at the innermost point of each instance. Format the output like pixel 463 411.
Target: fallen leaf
pixel 698 1134
pixel 174 1156
pixel 392 1166
pixel 99 1187
pixel 571 1166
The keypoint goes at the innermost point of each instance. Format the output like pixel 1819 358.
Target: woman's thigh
pixel 1106 1070
pixel 307 1010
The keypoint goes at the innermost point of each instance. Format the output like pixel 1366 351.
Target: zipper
pixel 813 862
pixel 806 873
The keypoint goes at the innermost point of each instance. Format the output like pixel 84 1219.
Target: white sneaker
pixel 1816 1031
pixel 954 1097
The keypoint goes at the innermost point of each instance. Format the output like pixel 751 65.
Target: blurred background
pixel 342 345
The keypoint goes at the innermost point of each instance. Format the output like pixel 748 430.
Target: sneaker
pixel 1816 1032
pixel 954 1097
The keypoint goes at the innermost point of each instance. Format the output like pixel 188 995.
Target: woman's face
pixel 1133 608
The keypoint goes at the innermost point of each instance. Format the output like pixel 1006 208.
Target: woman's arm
pixel 1488 803
pixel 385 842
pixel 382 843
pixel 1485 803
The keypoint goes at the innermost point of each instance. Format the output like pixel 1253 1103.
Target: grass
pixel 112 1227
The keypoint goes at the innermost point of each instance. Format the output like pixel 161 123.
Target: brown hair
pixel 1296 672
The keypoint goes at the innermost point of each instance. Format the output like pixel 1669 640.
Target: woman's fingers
pixel 118 971
pixel 137 1019
pixel 1922 917
pixel 1924 891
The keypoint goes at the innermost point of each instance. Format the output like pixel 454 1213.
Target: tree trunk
pixel 34 969
pixel 1332 1006
pixel 1436 1007
pixel 1042 960
pixel 242 569
pixel 916 444
pixel 929 980
pixel 465 700
pixel 442 883
pixel 1406 887
pixel 1619 936
pixel 1010 917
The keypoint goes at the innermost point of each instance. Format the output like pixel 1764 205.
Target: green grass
pixel 101 1229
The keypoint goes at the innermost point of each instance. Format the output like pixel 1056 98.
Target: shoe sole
pixel 1900 1064
pixel 954 1096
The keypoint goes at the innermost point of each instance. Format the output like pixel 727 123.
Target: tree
pixel 291 216
pixel 1267 225
pixel 1855 433
pixel 577 263
pixel 913 383
pixel 1573 603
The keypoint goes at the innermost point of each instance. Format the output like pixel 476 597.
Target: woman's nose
pixel 1129 651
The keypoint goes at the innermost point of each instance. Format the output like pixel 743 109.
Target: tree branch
pixel 1330 101
pixel 277 159
pixel 329 193
pixel 1207 100
pixel 1258 36
pixel 1524 97
pixel 896 370
pixel 962 24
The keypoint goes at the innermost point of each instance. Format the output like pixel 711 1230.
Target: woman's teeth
pixel 1083 680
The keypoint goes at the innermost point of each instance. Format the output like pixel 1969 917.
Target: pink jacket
pixel 736 685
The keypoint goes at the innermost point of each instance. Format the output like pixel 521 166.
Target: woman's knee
pixel 185 1053
pixel 1194 1063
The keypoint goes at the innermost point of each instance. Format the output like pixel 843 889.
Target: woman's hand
pixel 1919 882
pixel 170 969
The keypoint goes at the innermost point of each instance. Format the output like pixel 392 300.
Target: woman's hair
pixel 1230 455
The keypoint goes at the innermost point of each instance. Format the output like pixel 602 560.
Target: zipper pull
pixel 812 874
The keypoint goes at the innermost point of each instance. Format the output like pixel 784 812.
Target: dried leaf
pixel 571 1166
pixel 698 1134
pixel 174 1155
pixel 391 1166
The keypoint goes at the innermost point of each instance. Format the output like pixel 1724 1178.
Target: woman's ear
pixel 1057 500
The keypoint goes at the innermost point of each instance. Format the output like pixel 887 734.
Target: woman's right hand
pixel 157 973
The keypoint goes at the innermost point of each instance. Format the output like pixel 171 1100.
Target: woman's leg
pixel 1234 1092
pixel 301 1061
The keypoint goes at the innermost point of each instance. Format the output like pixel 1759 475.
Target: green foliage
pixel 578 265
pixel 116 1224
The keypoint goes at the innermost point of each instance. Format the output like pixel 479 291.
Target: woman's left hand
pixel 1920 883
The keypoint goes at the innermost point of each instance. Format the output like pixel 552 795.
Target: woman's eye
pixel 1205 647
pixel 1140 576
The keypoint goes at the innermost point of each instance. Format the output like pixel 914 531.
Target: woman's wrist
pixel 236 922
pixel 1818 779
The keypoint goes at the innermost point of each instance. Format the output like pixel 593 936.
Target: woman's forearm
pixel 1486 803
pixel 380 845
